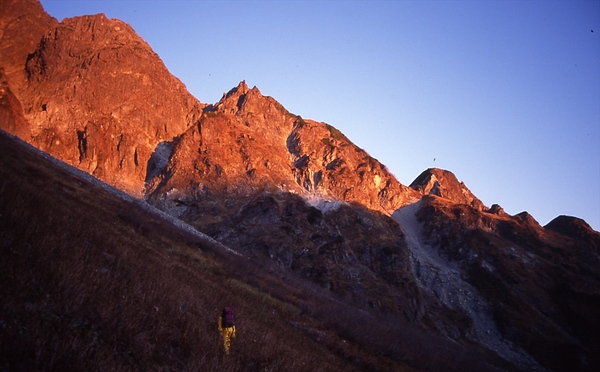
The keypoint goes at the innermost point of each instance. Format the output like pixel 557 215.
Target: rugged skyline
pixel 269 190
pixel 502 94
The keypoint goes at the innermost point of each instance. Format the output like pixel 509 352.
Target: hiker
pixel 227 327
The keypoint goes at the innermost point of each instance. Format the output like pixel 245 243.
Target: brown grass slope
pixel 90 281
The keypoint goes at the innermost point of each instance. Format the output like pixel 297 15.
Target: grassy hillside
pixel 91 281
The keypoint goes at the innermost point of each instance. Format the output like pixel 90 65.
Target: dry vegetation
pixel 92 282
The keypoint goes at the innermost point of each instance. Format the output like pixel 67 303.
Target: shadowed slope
pixel 90 281
pixel 94 280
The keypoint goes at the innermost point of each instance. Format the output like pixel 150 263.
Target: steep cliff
pixel 22 25
pixel 11 112
pixel 94 93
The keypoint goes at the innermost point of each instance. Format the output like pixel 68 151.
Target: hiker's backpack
pixel 227 317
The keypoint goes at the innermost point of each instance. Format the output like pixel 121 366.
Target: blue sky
pixel 505 94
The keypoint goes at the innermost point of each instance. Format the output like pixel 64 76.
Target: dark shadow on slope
pixel 90 281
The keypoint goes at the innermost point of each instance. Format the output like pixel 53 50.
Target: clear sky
pixel 505 94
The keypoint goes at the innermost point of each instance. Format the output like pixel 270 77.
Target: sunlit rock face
pixel 11 113
pixel 23 23
pixel 98 97
pixel 248 142
pixel 328 163
pixel 237 145
pixel 275 186
pixel 442 183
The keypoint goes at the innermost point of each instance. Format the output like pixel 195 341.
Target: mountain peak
pixel 79 84
pixel 240 89
pixel 242 100
pixel 443 183
pixel 575 228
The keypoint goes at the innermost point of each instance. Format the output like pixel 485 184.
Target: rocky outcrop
pixel 275 186
pixel 11 112
pixel 330 244
pixel 22 25
pixel 248 142
pixel 237 145
pixel 328 163
pixel 577 229
pixel 525 286
pixel 98 97
pixel 442 183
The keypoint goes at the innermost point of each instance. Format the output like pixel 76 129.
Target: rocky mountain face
pixel 274 186
pixel 93 92
pixel 526 287
pixel 22 25
pixel 11 112
pixel 247 142
pixel 443 183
